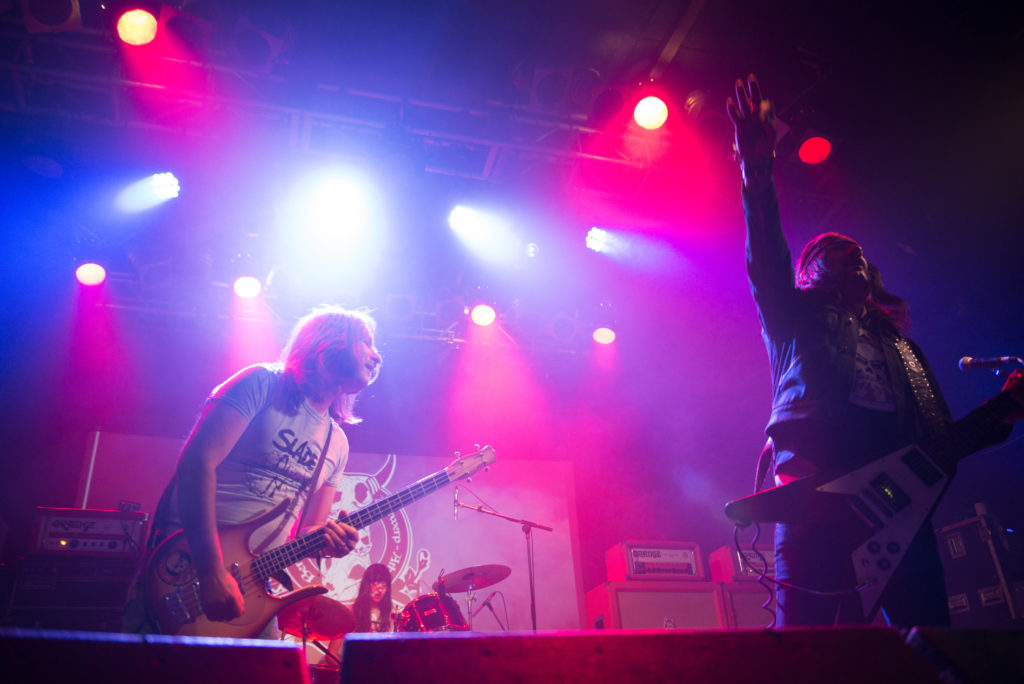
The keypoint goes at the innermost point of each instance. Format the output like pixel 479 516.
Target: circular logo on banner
pixel 388 541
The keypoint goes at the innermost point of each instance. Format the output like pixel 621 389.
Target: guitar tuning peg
pixel 469 480
pixel 458 454
pixel 476 447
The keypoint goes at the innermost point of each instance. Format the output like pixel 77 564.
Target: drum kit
pixel 319 618
pixel 439 611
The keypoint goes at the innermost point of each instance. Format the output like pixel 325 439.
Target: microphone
pixel 993 362
pixel 485 604
pixel 455 504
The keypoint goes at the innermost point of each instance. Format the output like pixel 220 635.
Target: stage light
pixel 651 113
pixel 598 239
pixel 165 185
pixel 814 150
pixel 148 192
pixel 339 208
pixel 488 236
pixel 604 335
pixel 247 287
pixel 137 27
pixel 90 274
pixel 483 315
pixel 563 327
pixel 50 16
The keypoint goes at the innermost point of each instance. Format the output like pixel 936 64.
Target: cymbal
pixel 320 617
pixel 474 577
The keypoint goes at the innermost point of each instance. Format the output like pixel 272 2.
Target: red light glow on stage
pixel 815 150
pixel 137 27
pixel 253 338
pixel 90 274
pixel 494 395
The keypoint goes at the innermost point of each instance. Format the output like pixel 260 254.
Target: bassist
pixel 268 434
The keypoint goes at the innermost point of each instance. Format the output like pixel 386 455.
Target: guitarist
pixel 262 437
pixel 842 395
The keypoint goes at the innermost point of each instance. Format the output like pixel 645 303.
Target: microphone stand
pixel 528 527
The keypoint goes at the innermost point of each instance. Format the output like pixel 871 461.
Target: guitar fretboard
pixel 279 558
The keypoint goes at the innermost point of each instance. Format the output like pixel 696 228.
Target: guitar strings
pixel 263 567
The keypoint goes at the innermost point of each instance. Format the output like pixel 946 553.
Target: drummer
pixel 372 607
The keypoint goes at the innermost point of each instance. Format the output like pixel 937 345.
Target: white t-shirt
pixel 276 455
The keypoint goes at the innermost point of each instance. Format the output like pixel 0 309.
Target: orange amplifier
pixel 84 531
pixel 654 560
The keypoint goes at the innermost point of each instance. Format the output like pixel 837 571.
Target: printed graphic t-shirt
pixel 275 456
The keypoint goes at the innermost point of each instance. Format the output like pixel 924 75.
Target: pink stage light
pixel 137 27
pixel 90 274
pixel 483 315
pixel 604 335
pixel 247 287
pixel 815 150
pixel 651 113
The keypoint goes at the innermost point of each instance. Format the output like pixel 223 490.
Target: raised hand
pixel 1014 386
pixel 753 119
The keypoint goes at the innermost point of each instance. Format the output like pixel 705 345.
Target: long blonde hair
pixel 323 327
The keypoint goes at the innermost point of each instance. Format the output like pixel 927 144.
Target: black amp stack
pixel 80 569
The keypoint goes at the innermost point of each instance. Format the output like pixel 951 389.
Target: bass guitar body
pixel 173 589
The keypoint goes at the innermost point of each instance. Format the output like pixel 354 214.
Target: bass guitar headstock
pixel 466 465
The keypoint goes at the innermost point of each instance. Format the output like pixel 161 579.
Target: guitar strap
pixel 933 418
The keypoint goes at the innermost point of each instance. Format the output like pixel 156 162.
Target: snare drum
pixel 431 613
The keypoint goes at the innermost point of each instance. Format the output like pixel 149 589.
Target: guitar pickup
pixel 890 492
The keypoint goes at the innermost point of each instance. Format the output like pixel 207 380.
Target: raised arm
pixel 769 263
pixel 216 432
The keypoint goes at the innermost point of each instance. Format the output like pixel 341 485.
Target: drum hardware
pixel 528 527
pixel 487 604
pixel 469 580
pixel 317 618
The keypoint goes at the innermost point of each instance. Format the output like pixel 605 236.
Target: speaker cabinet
pixel 31 656
pixel 794 656
pixel 744 604
pixel 655 605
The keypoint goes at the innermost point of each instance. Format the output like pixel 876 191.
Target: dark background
pixel 922 101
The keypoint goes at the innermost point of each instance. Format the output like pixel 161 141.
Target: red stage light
pixel 483 315
pixel 650 113
pixel 137 27
pixel 90 274
pixel 815 150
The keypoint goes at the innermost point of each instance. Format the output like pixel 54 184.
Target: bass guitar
pixel 172 589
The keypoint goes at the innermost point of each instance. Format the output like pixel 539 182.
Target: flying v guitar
pixel 891 498
pixel 172 589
